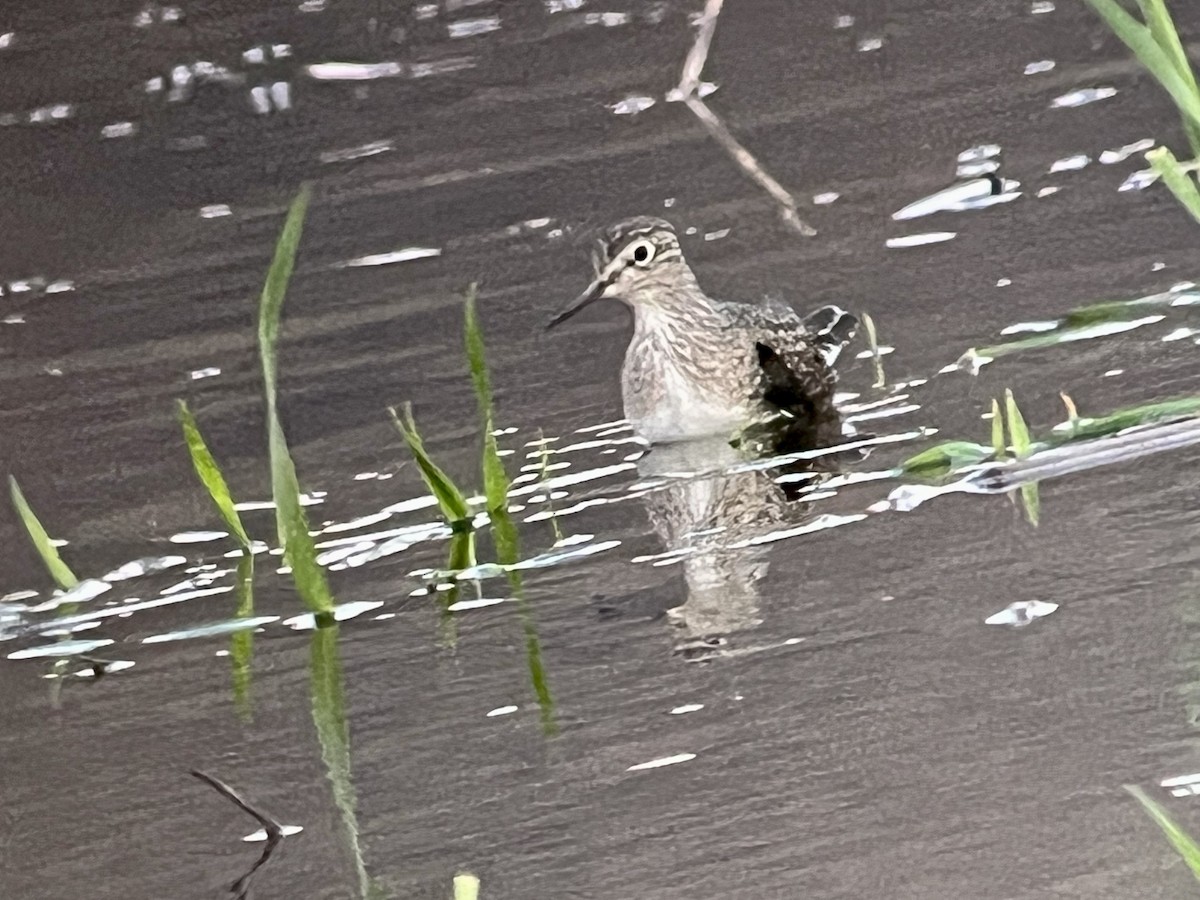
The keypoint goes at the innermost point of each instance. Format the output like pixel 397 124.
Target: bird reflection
pixel 707 507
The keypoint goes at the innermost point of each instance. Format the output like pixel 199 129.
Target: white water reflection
pixel 919 240
pixel 1083 97
pixel 1021 613
pixel 1120 154
pixel 341 613
pixel 146 566
pixel 632 105
pixel 979 152
pixel 977 194
pixel 61 648
pixel 216 629
pixel 407 254
pixel 1070 163
pixel 337 71
pixel 360 152
pixel 663 761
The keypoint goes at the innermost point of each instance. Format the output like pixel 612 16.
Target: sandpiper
pixel 700 367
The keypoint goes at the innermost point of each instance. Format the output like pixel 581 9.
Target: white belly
pixel 676 410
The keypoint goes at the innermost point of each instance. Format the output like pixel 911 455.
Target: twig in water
pixel 270 824
pixel 689 82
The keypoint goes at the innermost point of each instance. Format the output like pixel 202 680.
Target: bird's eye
pixel 642 252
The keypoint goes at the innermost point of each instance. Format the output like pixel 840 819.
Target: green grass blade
pixel 1018 431
pixel 1031 502
pixel 290 520
pixel 466 887
pixel 944 459
pixel 1183 843
pixel 59 571
pixel 495 478
pixel 1022 444
pixel 210 476
pixel 1162 29
pixel 1141 40
pixel 1099 426
pixel 998 447
pixel 451 501
pixel 1182 185
pixel 299 552
pixel 461 555
pixel 275 288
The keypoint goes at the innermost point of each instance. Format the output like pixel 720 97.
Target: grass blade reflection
pixel 333 734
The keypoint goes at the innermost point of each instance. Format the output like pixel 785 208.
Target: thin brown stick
pixel 749 165
pixel 689 83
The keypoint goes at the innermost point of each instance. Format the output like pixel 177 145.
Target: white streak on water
pixel 349 153
pixel 978 152
pixel 917 240
pixel 1120 154
pixel 1023 327
pixel 1021 613
pixel 664 761
pixel 1070 163
pixel 632 105
pixel 197 537
pixel 975 194
pixel 62 648
pixel 396 256
pixel 464 605
pixel 471 27
pixel 1083 97
pixel 341 613
pixel 335 71
pixel 821 523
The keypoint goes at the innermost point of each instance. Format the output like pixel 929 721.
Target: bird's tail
pixel 831 328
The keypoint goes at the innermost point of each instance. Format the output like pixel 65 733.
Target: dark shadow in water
pixel 274 831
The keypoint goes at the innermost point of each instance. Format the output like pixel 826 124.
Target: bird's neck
pixel 668 310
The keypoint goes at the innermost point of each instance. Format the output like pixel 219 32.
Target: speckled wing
pixel 779 327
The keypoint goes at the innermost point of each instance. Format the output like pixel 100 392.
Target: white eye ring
pixel 641 252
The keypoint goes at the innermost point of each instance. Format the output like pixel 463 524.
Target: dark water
pixel 862 732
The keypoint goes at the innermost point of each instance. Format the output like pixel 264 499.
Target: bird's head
pixel 638 262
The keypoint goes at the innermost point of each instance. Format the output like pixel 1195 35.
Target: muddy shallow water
pixel 860 732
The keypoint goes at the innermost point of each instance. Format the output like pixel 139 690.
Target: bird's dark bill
pixel 594 292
